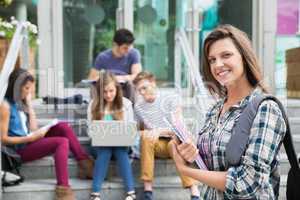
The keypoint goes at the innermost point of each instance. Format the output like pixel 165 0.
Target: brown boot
pixel 86 168
pixel 64 193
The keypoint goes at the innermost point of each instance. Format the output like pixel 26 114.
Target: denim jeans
pixel 102 162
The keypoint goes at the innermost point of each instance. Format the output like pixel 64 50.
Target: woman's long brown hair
pixel 17 79
pixel 99 102
pixel 243 45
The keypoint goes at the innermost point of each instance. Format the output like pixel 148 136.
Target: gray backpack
pixel 236 147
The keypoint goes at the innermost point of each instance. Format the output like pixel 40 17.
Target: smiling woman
pixel 226 63
pixel 236 51
pixel 230 63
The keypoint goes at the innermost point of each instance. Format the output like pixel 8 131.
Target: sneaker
pixel 193 197
pixel 148 195
pixel 95 196
pixel 130 196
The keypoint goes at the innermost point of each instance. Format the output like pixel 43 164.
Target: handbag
pixel 10 164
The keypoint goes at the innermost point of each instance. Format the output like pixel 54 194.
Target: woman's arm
pixel 253 174
pixel 128 110
pixel 213 179
pixel 89 111
pixel 4 123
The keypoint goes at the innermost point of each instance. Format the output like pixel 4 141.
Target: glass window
pixel 88 29
pixel 154 27
pixel 287 17
pixel 155 22
pixel 286 38
pixel 221 12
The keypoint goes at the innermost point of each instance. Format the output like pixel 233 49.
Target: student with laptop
pixel 151 109
pixel 109 104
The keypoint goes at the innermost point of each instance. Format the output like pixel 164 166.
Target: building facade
pixel 73 32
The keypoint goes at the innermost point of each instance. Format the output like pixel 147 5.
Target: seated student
pixel 108 103
pixel 150 111
pixel 18 127
pixel 122 60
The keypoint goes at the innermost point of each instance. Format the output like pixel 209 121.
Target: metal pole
pixel 177 63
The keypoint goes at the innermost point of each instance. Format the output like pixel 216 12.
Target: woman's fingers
pixel 188 151
pixel 179 161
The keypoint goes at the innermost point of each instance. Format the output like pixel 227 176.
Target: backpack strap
pixel 237 144
pixel 288 139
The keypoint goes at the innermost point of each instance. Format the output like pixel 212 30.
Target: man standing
pixel 156 138
pixel 122 60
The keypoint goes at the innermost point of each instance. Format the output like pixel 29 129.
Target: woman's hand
pixel 179 161
pixel 188 150
pixel 28 99
pixel 38 134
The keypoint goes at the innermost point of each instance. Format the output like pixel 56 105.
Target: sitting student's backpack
pixel 10 165
pixel 238 143
pixel 75 99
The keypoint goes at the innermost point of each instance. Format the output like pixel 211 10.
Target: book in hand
pixel 50 124
pixel 45 128
pixel 179 130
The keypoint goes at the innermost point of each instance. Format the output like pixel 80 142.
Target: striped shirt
pixel 152 115
pixel 258 174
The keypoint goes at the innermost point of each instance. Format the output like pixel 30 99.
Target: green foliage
pixel 7 30
pixel 104 37
pixel 5 3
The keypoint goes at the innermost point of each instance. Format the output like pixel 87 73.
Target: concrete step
pixel 284 164
pixel 282 191
pixel 164 188
pixel 292 107
pixel 80 125
pixel 60 111
pixel 194 124
pixel 191 108
pixel 190 105
pixel 295 124
pixel 44 168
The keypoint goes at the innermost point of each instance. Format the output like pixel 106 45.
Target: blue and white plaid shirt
pixel 258 174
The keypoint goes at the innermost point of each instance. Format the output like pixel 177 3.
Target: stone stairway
pixel 40 176
pixel 40 180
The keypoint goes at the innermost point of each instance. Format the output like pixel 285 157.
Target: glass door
pixel 88 28
pixel 155 22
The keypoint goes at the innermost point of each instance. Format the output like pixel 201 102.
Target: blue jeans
pixel 102 162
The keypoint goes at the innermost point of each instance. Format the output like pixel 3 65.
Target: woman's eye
pixel 211 61
pixel 227 55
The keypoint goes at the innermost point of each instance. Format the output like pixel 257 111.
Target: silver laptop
pixel 112 133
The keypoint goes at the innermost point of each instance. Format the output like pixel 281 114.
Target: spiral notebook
pixel 178 128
